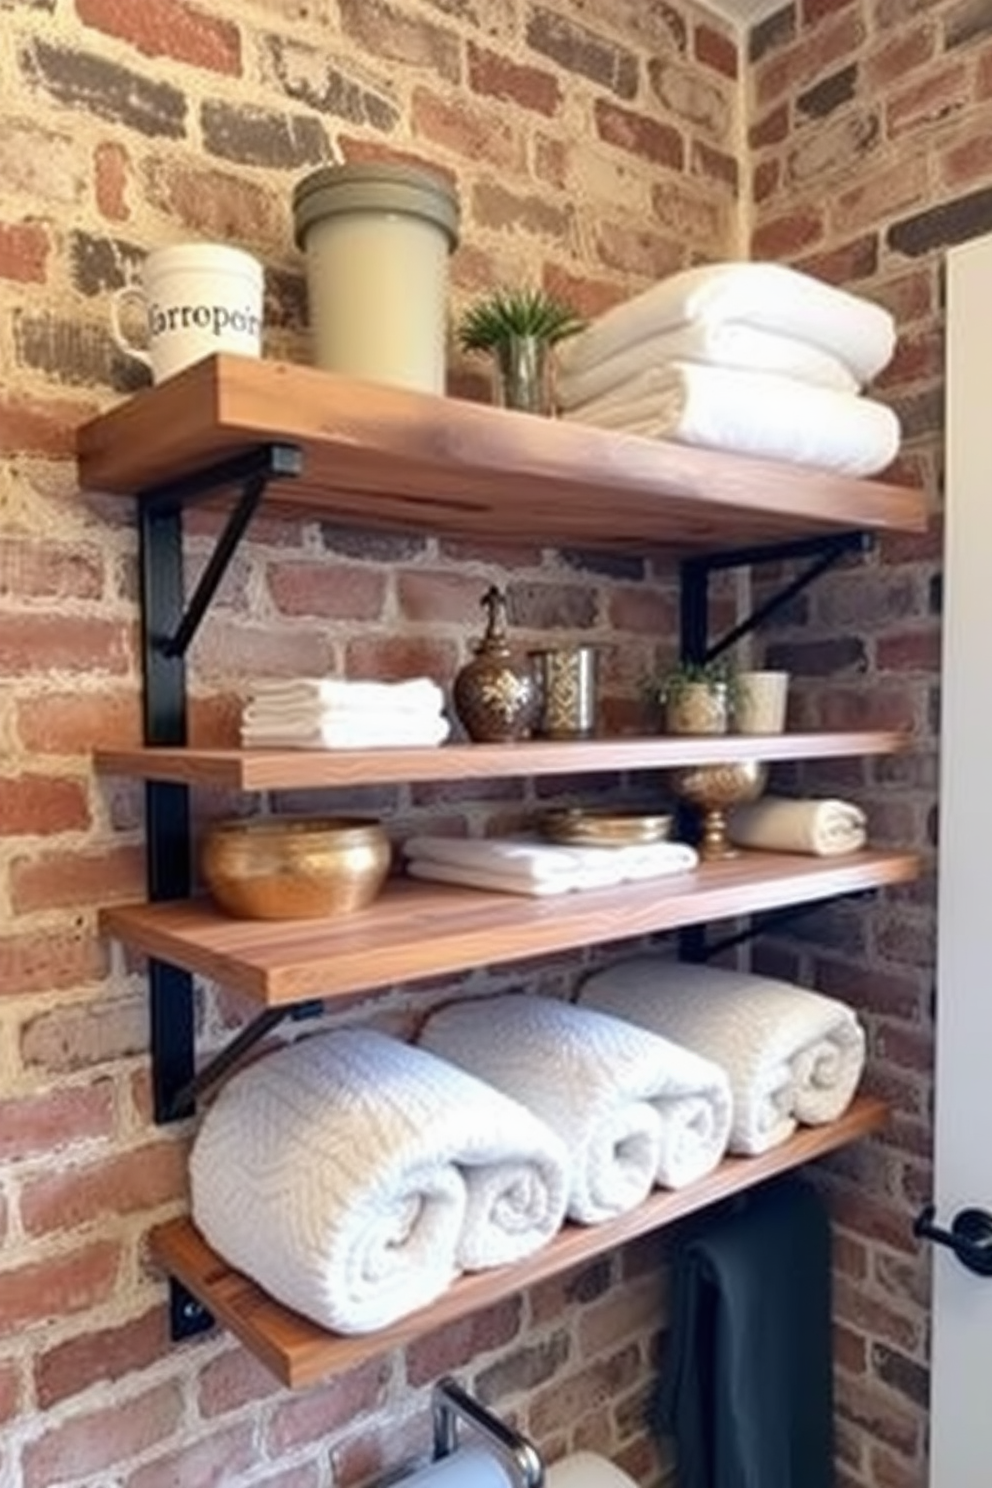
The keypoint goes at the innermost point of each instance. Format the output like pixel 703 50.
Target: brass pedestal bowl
pixel 295 868
pixel 713 790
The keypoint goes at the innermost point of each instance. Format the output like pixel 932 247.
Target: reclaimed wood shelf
pixel 302 769
pixel 300 1352
pixel 390 458
pixel 417 929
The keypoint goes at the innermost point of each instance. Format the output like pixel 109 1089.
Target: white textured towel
pixel 779 824
pixel 371 729
pixel 793 1056
pixel 352 1176
pixel 753 413
pixel 765 296
pixel 420 694
pixel 520 865
pixel 632 1108
pixel 717 345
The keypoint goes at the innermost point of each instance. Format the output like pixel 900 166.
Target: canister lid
pixel 375 186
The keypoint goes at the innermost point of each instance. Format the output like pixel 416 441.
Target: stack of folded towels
pixel 754 358
pixel 332 713
pixel 524 865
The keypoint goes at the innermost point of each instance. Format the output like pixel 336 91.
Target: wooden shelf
pixel 301 769
pixel 418 929
pixel 382 457
pixel 300 1353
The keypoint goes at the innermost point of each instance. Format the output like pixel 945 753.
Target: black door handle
pixel 970 1236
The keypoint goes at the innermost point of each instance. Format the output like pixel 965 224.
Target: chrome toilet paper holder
pixel 450 1404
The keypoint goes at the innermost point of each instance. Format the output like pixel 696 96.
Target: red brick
pixel 622 1315
pixel 715 165
pixel 770 129
pixel 810 58
pixel 913 651
pixel 333 591
pixel 786 236
pixel 930 101
pixel 213 203
pixel 231 650
pixel 100 1355
pixel 867 707
pixel 473 131
pixel 310 1417
pixel 495 206
pixel 642 610
pixel 688 96
pixel 10 1391
pixel 397 657
pixel 88 1444
pixel 52 1290
pixel 44 1123
pixel 814 11
pixel 112 179
pixel 715 49
pixel 216 1459
pixel 639 134
pixel 24 250
pixel 393 32
pixel 882 1416
pixel 233 1380
pixel 40 805
pixel 635 249
pixel 898 54
pixel 168 28
pixel 564 1401
pixel 846 263
pixel 880 193
pixel 589 297
pixel 68 881
pixel 306 1475
pixel 36 426
pixel 423 595
pixel 967 162
pixel 37 570
pixel 496 76
pixel 850 1350
pixel 127 1183
pixel 74 1038
pixel 457 1344
pixel 890 1471
pixel 74 723
pixel 44 961
pixel 37 643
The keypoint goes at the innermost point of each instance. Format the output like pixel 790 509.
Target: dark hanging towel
pixel 747 1387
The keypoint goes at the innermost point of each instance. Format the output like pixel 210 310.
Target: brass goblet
pixel 713 790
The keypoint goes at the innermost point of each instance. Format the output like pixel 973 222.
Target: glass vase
pixel 523 374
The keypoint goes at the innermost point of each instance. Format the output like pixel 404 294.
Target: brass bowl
pixel 295 868
pixel 713 790
pixel 584 826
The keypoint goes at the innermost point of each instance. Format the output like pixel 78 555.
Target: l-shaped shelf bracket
pixel 823 551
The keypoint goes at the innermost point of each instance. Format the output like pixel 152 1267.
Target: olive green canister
pixel 377 238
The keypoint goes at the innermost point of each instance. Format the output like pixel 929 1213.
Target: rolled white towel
pixel 632 1108
pixel 765 296
pixel 779 824
pixel 753 413
pixel 793 1056
pixel 353 1176
pixel 717 345
pixel 369 730
pixel 419 694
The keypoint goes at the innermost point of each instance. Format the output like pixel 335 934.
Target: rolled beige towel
pixel 781 824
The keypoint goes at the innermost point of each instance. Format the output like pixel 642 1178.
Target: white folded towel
pixel 352 1176
pixel 716 344
pixel 793 1056
pixel 632 1108
pixel 370 729
pixel 416 693
pixel 764 296
pixel 779 824
pixel 520 865
pixel 753 413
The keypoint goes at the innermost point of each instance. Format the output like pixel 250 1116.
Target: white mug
pixel 760 702
pixel 197 299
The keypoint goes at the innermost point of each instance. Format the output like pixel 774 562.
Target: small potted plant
pixel 698 697
pixel 518 327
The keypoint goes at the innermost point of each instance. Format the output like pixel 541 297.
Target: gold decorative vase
pixel 713 790
pixel 496 695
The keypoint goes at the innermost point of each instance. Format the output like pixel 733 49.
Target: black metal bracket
pixel 168 627
pixel 187 1315
pixel 823 551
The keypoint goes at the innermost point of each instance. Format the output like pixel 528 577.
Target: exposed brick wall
pixel 870 157
pixel 593 148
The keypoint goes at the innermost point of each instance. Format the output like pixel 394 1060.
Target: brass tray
pixel 589 826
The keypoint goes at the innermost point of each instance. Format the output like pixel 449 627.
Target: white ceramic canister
pixel 377 238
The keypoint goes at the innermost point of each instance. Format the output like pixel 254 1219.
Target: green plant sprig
pixel 712 674
pixel 518 312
